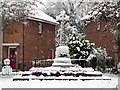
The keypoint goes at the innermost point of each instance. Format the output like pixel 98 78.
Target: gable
pixel 42 17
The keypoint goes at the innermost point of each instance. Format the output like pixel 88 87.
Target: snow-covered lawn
pixel 8 83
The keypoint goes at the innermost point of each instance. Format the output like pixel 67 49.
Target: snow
pixel 47 69
pixel 95 72
pixel 95 12
pixel 30 6
pixel 78 49
pixel 90 57
pixel 62 50
pixel 31 78
pixel 36 69
pixel 62 62
pixel 88 69
pixel 86 17
pixel 95 78
pixel 8 83
pixel 41 16
pixel 62 16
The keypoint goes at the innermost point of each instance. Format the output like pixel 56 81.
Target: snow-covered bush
pixel 79 47
pixel 101 58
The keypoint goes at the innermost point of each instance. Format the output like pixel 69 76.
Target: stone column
pixel 62 17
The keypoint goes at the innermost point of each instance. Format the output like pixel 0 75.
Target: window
pixel 40 27
pixel 98 26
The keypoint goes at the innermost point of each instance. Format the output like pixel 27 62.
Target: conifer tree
pixel 79 47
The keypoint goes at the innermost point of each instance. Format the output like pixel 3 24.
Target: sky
pixel 44 1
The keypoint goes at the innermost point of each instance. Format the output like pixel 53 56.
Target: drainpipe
pixel 24 23
pixel 23 49
pixel 1 42
pixel 52 53
pixel 118 37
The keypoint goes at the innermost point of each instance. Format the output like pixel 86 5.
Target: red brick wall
pixel 102 38
pixel 13 34
pixel 36 45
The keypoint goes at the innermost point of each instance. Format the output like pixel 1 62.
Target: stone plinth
pixel 62 62
pixel 62 57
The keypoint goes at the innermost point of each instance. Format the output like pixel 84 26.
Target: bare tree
pixel 75 9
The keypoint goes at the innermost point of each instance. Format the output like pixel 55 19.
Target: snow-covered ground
pixel 8 83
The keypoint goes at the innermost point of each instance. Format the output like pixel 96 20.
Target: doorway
pixel 12 57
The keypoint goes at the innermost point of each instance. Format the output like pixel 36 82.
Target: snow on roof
pixel 86 17
pixel 39 15
pixel 95 12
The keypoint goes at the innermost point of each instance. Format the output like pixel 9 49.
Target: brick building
pixel 103 37
pixel 30 40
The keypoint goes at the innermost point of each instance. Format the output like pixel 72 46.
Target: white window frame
pixel 40 27
pixel 98 26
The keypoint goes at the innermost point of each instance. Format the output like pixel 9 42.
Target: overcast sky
pixel 44 1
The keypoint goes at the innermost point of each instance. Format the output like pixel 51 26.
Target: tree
pixel 104 10
pixel 12 10
pixel 75 9
pixel 109 11
pixel 79 47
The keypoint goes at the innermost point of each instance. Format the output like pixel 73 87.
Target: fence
pixel 35 63
pixel 45 63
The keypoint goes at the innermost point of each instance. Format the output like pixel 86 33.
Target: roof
pixel 39 15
